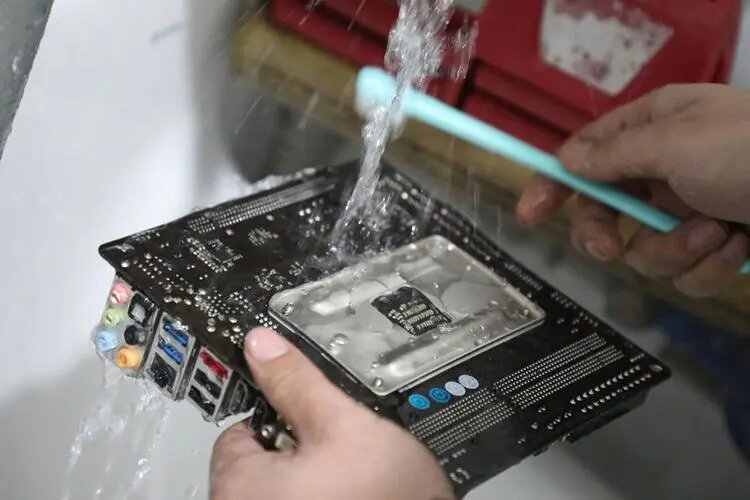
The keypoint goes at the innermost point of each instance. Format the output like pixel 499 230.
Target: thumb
pixel 294 386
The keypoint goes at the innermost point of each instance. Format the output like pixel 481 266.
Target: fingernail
pixel 265 345
pixel 705 235
pixel 597 250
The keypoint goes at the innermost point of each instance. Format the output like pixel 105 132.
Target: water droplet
pixel 340 339
pixel 229 231
pixel 125 264
pixel 287 309
pixel 232 319
pixel 269 217
pixel 377 382
pixel 210 328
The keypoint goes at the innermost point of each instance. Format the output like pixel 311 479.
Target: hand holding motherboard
pixel 344 450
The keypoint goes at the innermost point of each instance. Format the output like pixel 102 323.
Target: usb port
pixel 176 333
pixel 170 351
pixel 213 365
pixel 211 388
pixel 207 406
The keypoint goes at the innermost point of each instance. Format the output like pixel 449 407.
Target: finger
pixel 294 386
pixel 714 272
pixel 667 255
pixel 235 443
pixel 594 230
pixel 632 114
pixel 637 153
pixel 663 197
pixel 541 198
pixel 628 142
pixel 658 104
pixel 240 464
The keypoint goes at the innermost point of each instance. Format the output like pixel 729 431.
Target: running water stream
pixel 120 433
pixel 415 53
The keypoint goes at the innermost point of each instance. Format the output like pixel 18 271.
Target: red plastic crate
pixel 509 84
pixel 357 30
pixel 510 74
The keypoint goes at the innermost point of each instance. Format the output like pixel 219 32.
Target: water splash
pixel 464 42
pixel 311 104
pixel 130 416
pixel 415 52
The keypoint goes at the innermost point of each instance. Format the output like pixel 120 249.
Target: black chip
pixel 408 308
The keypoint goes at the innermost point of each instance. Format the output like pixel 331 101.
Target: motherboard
pixel 415 313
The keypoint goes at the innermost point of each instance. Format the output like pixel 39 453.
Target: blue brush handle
pixel 375 86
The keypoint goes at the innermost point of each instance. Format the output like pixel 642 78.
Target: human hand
pixel 686 150
pixel 344 449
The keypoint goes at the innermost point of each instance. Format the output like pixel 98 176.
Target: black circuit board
pixel 217 269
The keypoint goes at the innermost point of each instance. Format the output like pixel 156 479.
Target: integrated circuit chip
pixel 408 308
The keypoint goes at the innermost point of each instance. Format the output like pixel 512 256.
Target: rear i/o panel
pixel 146 342
pixel 423 319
